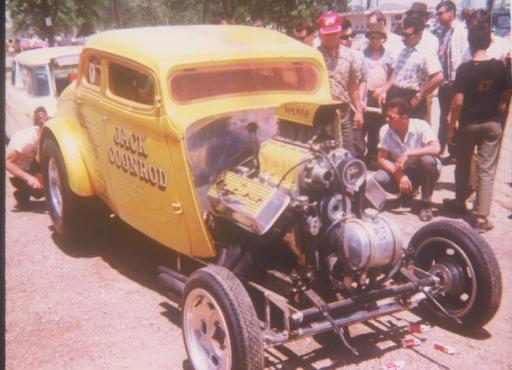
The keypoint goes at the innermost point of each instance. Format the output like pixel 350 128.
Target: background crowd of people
pixel 389 82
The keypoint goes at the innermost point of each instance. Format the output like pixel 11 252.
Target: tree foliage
pixel 46 17
pixel 92 15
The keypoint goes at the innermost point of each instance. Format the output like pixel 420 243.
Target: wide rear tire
pixel 220 326
pixel 467 266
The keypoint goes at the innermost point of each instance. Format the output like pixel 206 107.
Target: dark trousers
pixel 420 111
pixel 446 93
pixel 487 138
pixel 352 137
pixel 23 191
pixel 372 124
pixel 423 172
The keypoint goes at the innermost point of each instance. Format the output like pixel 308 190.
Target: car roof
pixel 166 46
pixel 44 55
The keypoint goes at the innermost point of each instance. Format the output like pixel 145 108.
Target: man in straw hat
pixel 417 72
pixel 379 65
pixel 428 42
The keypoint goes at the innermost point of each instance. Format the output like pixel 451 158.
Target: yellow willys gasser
pixel 219 142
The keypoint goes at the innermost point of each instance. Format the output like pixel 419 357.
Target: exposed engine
pixel 306 189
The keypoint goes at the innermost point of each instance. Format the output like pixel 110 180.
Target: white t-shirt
pixel 419 134
pixel 25 143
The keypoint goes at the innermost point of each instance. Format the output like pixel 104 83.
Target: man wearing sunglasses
pixel 407 156
pixel 344 76
pixel 416 72
pixel 453 42
pixel 429 43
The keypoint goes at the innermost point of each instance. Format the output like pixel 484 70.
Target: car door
pixel 141 173
pixel 89 107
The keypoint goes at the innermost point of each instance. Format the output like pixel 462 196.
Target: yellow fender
pixel 66 132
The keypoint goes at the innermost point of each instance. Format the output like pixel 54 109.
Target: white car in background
pixel 38 77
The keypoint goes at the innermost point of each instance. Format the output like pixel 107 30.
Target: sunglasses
pixel 407 35
pixel 346 37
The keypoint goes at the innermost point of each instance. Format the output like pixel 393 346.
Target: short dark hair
pixel 415 22
pixel 448 6
pixel 479 39
pixel 304 25
pixel 37 121
pixel 379 15
pixel 480 19
pixel 346 24
pixel 403 105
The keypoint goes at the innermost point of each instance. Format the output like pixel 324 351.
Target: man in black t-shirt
pixel 478 86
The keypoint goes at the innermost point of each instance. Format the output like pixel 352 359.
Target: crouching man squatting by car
pixel 21 161
pixel 407 156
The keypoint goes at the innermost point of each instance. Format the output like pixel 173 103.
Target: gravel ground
pixel 100 307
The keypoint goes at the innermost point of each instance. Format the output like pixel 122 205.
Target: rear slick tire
pixel 220 326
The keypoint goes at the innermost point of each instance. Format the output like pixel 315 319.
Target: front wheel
pixel 470 276
pixel 63 205
pixel 220 326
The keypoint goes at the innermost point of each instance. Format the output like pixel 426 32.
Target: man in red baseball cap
pixel 344 76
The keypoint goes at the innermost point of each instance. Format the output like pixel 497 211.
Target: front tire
pixel 63 205
pixel 220 326
pixel 470 274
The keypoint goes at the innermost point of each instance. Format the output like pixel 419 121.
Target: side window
pixel 93 74
pixel 131 84
pixel 40 82
pixel 26 77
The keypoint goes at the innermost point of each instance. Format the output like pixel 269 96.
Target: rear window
pixel 202 83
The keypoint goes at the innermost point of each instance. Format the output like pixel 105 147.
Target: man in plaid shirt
pixel 344 77
pixel 416 72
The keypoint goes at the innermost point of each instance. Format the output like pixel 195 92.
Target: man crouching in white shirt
pixel 407 156
pixel 22 164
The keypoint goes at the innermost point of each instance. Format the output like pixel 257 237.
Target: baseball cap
pixel 329 22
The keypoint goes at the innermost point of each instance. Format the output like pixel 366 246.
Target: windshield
pixel 215 145
pixel 40 83
pixel 64 71
pixel 207 82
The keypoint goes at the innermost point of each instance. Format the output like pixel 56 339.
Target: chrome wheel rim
pixel 55 189
pixel 447 260
pixel 206 332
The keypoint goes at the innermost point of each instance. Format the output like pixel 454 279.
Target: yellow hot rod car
pixel 220 143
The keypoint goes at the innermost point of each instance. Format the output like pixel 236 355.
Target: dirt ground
pixel 100 307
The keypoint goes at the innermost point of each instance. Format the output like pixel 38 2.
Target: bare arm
pixel 386 164
pixel 433 83
pixel 454 115
pixel 432 148
pixel 353 92
pixel 384 90
pixel 10 165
